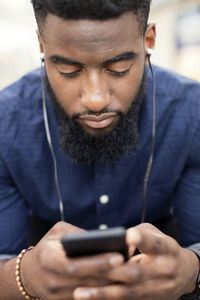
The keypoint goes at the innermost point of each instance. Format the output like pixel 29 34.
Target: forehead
pixel 92 36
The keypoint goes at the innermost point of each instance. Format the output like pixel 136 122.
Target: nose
pixel 96 95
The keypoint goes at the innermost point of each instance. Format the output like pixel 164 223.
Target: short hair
pixel 91 9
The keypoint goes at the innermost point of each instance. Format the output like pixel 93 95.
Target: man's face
pixel 95 68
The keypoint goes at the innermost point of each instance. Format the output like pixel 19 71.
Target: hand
pixel 49 274
pixel 163 270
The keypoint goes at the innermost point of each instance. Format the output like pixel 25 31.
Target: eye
pixel 71 74
pixel 119 74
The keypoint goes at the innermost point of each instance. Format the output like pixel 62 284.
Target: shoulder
pixel 177 110
pixel 21 94
pixel 176 96
pixel 20 105
pixel 171 84
pixel 178 100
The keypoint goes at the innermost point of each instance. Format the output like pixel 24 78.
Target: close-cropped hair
pixel 91 9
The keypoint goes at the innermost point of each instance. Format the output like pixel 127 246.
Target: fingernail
pixel 82 294
pixel 132 236
pixel 116 260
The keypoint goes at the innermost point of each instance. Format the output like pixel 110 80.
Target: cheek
pixel 67 92
pixel 127 89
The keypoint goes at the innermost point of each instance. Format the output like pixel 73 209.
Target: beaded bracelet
pixel 18 276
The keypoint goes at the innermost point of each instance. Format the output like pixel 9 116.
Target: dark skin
pixel 95 65
pixel 92 66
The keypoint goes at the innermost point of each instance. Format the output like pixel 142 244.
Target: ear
pixel 40 42
pixel 150 38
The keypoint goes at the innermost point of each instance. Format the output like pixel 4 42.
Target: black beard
pixel 84 148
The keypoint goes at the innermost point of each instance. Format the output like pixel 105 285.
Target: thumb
pixel 149 240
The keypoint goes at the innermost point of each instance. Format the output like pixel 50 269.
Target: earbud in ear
pixel 42 56
pixel 149 51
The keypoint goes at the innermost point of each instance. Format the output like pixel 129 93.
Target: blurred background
pixel 177 46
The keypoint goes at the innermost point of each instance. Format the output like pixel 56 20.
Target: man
pixel 99 97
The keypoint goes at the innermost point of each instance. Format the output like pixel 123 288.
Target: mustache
pixel 94 113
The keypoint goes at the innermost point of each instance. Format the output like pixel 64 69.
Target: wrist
pixel 22 266
pixel 193 268
pixel 8 286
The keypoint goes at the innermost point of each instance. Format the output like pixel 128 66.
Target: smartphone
pixel 96 241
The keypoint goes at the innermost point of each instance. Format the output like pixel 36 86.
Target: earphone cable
pixel 151 157
pixel 48 135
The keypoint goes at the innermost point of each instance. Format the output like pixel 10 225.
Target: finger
pixel 109 292
pixel 56 262
pixel 148 239
pixel 63 293
pixel 131 250
pixel 59 286
pixel 133 273
pixel 49 250
pixel 95 264
pixel 151 290
pixel 61 228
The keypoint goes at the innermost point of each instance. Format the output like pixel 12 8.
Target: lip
pixel 98 122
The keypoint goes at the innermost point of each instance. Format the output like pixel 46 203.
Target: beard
pixel 84 148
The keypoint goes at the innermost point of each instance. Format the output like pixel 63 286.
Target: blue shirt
pixel 27 173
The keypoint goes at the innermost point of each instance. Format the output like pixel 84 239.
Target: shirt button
pixel 103 227
pixel 104 199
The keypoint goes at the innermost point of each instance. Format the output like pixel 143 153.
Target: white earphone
pixel 149 51
pixel 42 56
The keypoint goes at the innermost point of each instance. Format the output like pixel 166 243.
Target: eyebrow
pixel 57 59
pixel 123 56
